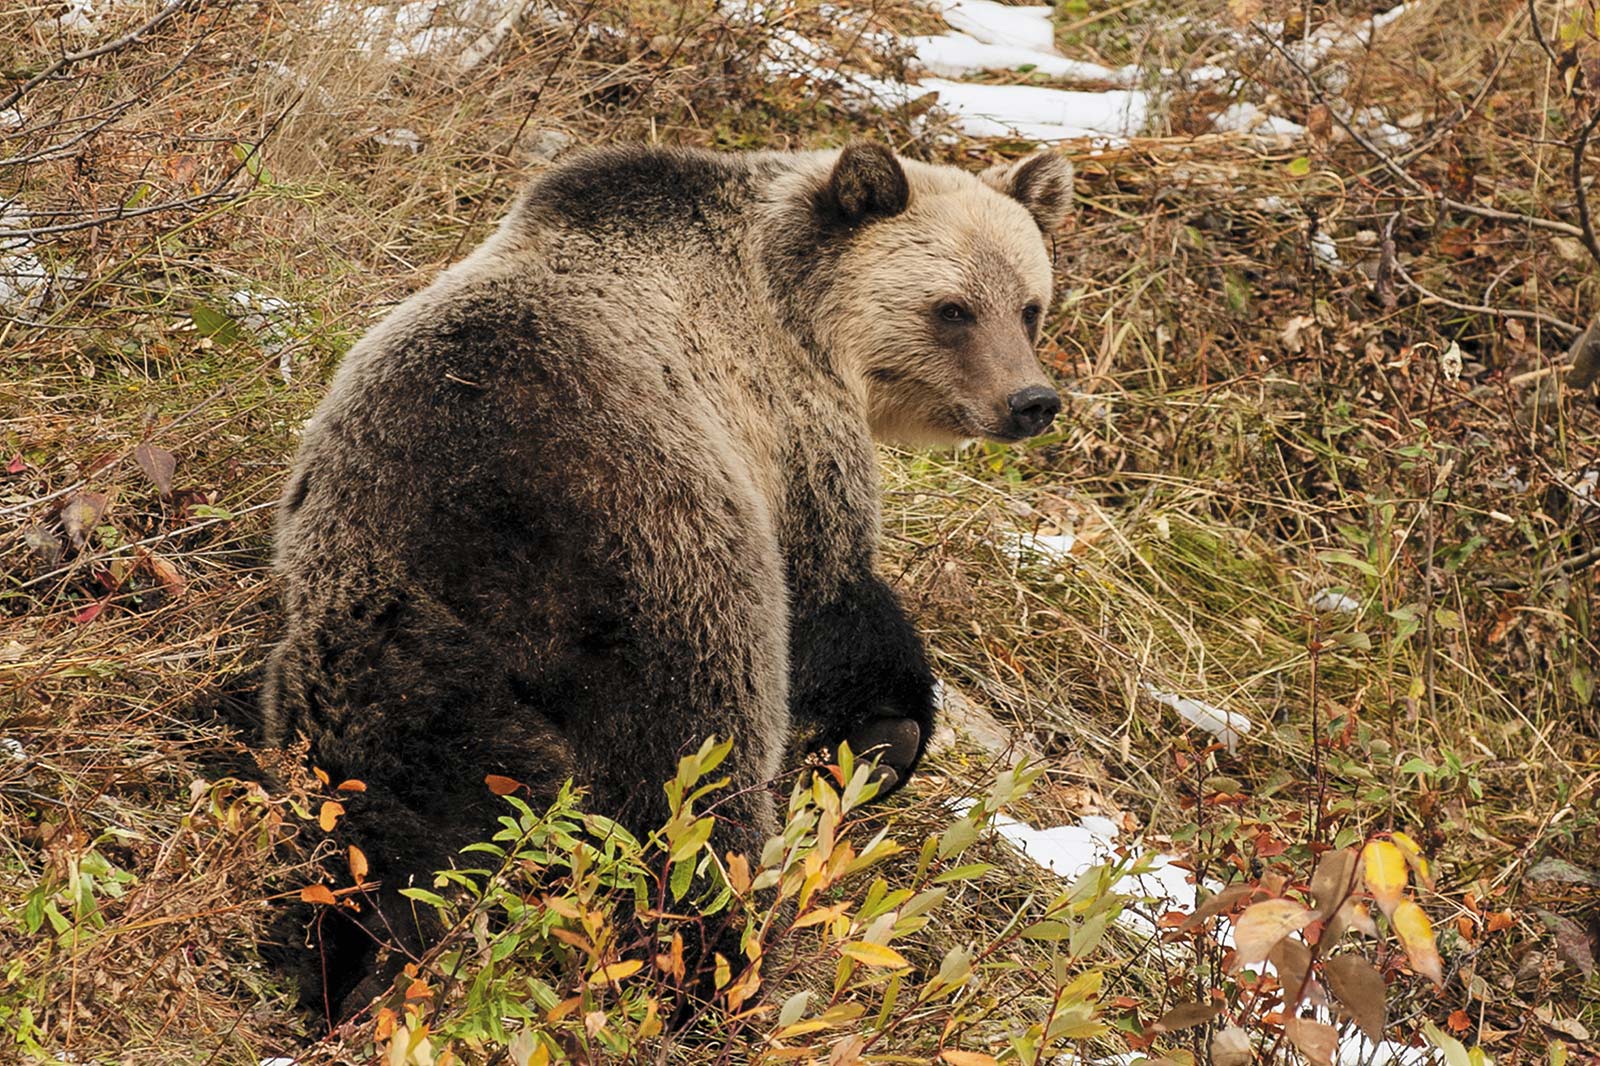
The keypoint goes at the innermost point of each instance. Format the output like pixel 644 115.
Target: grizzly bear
pixel 607 487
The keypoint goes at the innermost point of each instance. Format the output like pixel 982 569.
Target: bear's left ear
pixel 867 182
pixel 1042 183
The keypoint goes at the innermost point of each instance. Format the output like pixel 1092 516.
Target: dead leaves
pixel 1262 925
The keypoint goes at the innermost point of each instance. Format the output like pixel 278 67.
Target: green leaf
pixel 1299 166
pixel 210 322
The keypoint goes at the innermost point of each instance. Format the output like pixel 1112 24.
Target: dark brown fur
pixel 608 487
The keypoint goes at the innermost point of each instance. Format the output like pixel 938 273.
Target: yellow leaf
pixel 967 1058
pixel 820 915
pixel 322 775
pixel 1262 925
pixel 1416 933
pixel 1384 869
pixel 874 954
pixel 1413 853
pixel 328 816
pixel 615 971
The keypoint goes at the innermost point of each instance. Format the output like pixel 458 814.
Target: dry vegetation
pixel 227 199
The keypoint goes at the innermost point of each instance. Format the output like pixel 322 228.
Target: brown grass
pixel 1208 464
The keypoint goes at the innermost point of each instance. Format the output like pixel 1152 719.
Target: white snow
pixel 1049 547
pixel 1038 113
pixel 952 55
pixel 1227 726
pixel 24 278
pixel 1001 24
pixel 1245 117
pixel 1331 601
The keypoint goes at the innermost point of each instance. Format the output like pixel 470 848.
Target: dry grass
pixel 1211 459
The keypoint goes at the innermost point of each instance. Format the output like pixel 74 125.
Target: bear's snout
pixel 1032 410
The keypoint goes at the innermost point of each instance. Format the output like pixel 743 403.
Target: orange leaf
pixel 317 894
pixel 1416 933
pixel 418 989
pixel 322 775
pixel 967 1058
pixel 1384 869
pixel 1460 1021
pixel 1500 920
pixel 386 1020
pixel 358 864
pixel 352 785
pixel 738 873
pixel 501 786
pixel 328 816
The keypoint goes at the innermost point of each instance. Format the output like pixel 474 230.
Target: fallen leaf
pixel 1384 870
pixel 167 573
pixel 1359 986
pixel 967 1058
pixel 1562 870
pixel 1459 1021
pixel 1416 933
pixel 89 613
pixel 1572 943
pixel 501 786
pixel 328 816
pixel 80 514
pixel 157 464
pixel 358 864
pixel 1316 1040
pixel 351 785
pixel 1264 924
pixel 17 464
pixel 317 894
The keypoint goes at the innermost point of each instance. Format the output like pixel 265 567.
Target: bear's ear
pixel 867 182
pixel 1042 183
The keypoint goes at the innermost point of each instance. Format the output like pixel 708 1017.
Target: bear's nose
pixel 1033 409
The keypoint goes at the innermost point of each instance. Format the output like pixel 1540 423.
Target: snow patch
pixel 1227 726
pixel 1038 113
pixel 953 55
pixel 1001 24
pixel 1245 117
pixel 1329 601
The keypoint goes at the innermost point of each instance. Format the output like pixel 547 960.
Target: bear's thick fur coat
pixel 608 487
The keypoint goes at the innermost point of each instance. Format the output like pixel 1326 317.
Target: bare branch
pixel 171 9
pixel 1429 296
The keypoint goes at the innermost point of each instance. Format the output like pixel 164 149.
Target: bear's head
pixel 938 292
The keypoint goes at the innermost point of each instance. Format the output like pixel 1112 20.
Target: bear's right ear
pixel 1041 183
pixel 867 182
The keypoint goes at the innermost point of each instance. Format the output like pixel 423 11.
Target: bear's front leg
pixel 859 674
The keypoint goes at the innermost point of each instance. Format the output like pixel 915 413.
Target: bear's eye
pixel 953 312
pixel 1030 314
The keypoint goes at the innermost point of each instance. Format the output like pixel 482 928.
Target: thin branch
pixel 1388 161
pixel 1538 35
pixel 172 8
pixel 1579 193
pixel 1430 296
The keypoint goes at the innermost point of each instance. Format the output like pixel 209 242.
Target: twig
pixel 1389 163
pixel 1579 193
pixel 1538 35
pixel 1429 296
pixel 172 8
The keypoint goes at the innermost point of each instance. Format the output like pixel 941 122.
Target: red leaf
pixel 501 786
pixel 17 464
pixel 89 613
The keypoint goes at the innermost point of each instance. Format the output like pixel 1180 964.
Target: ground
pixel 1326 464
